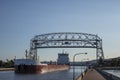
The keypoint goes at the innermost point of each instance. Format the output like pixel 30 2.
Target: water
pixel 114 72
pixel 58 75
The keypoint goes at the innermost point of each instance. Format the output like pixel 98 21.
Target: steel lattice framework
pixel 66 40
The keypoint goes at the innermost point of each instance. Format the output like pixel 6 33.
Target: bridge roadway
pixel 92 74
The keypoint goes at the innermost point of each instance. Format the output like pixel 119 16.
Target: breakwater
pixel 6 69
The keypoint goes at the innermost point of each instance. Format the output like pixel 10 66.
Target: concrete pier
pixel 6 69
pixel 91 74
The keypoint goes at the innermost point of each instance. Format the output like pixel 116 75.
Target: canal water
pixel 114 72
pixel 58 75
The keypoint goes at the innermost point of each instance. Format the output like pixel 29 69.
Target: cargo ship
pixel 35 66
pixel 32 64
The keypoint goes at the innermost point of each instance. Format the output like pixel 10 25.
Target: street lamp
pixel 74 63
pixel 85 63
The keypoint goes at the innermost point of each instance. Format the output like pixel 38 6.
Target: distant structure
pixel 63 58
pixel 66 40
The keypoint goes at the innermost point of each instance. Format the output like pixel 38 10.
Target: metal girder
pixel 66 40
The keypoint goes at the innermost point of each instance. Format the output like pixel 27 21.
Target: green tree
pixel 8 64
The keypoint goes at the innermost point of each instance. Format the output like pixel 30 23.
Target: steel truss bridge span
pixel 66 40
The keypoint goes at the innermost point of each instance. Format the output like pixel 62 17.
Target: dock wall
pixel 82 75
pixel 108 76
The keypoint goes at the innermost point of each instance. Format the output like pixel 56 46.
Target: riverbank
pixel 6 69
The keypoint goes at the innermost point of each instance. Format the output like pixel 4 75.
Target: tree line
pixel 7 64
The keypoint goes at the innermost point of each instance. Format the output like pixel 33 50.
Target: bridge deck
pixel 92 74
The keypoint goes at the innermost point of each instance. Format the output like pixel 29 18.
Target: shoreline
pixel 6 69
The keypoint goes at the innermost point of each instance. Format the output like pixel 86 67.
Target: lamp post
pixel 74 63
pixel 85 64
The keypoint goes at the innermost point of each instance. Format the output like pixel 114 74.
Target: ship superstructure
pixel 63 58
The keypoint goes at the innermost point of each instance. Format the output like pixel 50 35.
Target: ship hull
pixel 39 68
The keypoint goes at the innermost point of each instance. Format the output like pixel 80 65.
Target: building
pixel 63 58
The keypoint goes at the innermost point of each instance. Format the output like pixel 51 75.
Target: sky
pixel 21 20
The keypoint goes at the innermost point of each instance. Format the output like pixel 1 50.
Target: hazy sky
pixel 20 20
